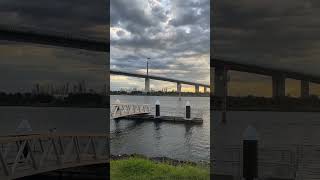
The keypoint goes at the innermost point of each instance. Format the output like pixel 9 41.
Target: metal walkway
pixel 27 155
pixel 119 110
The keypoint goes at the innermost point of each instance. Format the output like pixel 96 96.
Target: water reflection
pixel 121 127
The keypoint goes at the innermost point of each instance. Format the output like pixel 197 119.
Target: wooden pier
pixel 171 119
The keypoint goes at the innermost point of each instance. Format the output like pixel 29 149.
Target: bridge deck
pixel 25 35
pixel 157 78
pixel 267 71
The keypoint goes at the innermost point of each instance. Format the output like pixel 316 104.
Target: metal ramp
pixel 119 110
pixel 27 155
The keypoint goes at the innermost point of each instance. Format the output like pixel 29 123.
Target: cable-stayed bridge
pixel 147 78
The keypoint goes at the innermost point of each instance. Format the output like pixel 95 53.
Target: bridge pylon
pixel 147 85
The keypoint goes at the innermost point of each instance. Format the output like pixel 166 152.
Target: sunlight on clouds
pixel 98 30
pixel 187 88
pixel 128 83
pixel 119 78
pixel 118 33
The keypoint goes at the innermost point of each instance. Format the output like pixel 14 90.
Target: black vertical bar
pixel 188 112
pixel 157 110
pixel 250 160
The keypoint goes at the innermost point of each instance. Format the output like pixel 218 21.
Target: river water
pixel 178 141
pixel 42 119
pixel 289 144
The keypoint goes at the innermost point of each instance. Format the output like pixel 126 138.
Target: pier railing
pixel 121 110
pixel 26 155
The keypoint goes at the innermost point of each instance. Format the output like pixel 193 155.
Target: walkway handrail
pixel 119 110
pixel 25 155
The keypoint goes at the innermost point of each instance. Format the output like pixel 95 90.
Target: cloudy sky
pixel 272 33
pixel 22 65
pixel 174 34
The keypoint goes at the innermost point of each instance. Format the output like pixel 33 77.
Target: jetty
pixel 170 119
pixel 143 113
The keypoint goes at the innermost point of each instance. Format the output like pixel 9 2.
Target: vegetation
pixel 70 100
pixel 311 103
pixel 137 168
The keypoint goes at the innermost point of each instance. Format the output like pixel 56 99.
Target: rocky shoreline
pixel 170 161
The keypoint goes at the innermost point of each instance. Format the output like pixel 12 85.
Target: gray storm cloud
pixel 279 34
pixel 177 43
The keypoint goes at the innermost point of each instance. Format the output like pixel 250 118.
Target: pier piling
pixel 250 153
pixel 157 108
pixel 188 110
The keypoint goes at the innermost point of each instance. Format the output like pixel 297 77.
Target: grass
pixel 137 168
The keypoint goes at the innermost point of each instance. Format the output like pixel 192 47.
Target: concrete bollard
pixel 157 108
pixel 188 110
pixel 250 153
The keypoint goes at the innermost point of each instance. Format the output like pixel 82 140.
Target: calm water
pixel 289 142
pixel 41 119
pixel 274 128
pixel 179 141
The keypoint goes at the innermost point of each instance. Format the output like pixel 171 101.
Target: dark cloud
pixel 174 34
pixel 22 65
pixel 281 34
pixel 70 16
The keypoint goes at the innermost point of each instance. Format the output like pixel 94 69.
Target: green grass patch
pixel 137 168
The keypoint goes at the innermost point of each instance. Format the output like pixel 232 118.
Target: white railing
pixel 123 110
pixel 27 155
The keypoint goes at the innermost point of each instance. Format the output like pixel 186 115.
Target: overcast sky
pixel 174 34
pixel 23 65
pixel 271 33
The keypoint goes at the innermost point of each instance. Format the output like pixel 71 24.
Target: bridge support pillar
pixel 221 90
pixel 220 82
pixel 304 90
pixel 278 86
pixel 178 87
pixel 197 88
pixel 147 85
pixel 205 90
